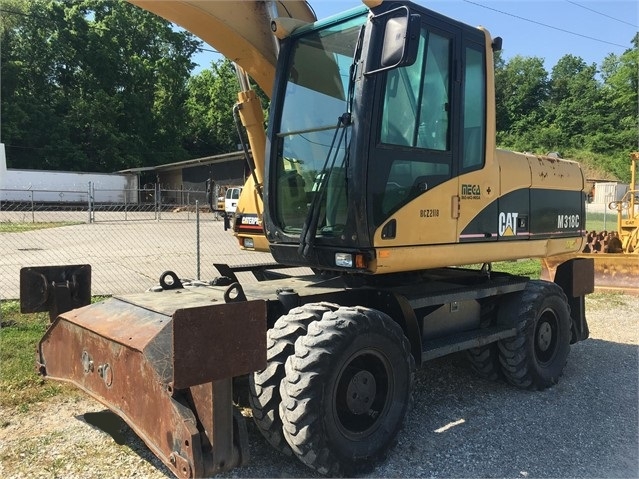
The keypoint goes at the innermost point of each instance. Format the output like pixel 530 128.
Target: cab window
pixel 474 110
pixel 416 101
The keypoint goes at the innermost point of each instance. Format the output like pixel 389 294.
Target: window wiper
pixel 309 230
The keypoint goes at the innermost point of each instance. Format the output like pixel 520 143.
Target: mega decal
pixel 470 192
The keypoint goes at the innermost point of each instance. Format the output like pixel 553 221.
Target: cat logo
pixel 508 224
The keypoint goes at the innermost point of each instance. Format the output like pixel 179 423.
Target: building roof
pixel 178 165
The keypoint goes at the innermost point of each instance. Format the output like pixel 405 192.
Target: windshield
pixel 311 152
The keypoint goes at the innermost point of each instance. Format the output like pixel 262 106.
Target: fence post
pixel 159 201
pixel 197 237
pixel 32 208
pixel 89 201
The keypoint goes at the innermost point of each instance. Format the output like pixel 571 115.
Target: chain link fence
pixel 128 236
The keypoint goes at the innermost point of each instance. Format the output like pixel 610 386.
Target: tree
pixel 94 85
pixel 211 96
pixel 521 90
pixel 620 93
pixel 575 105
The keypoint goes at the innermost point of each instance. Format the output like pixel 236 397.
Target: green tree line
pixel 96 85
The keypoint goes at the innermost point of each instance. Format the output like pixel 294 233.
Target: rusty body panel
pixel 182 401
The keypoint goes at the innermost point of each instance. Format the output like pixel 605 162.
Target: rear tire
pixel 484 360
pixel 535 358
pixel 347 390
pixel 485 363
pixel 264 386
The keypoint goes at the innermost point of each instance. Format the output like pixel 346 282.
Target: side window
pixel 434 108
pixel 399 117
pixel 416 98
pixel 474 110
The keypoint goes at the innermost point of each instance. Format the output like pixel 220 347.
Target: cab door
pixel 412 171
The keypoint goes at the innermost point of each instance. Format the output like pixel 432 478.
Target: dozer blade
pixel 613 271
pixel 167 372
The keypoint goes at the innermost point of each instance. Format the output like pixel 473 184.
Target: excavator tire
pixel 535 358
pixel 484 360
pixel 347 390
pixel 264 386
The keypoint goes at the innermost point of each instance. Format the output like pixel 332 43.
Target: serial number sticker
pixel 430 213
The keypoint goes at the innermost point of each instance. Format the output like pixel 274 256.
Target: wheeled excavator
pixel 381 174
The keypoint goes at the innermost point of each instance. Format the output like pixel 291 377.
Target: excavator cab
pixel 389 118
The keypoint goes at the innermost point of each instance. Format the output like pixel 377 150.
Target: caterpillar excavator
pixel 379 172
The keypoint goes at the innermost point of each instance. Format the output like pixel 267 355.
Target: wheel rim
pixel 546 337
pixel 363 394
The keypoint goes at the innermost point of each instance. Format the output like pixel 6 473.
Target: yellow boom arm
pixel 241 31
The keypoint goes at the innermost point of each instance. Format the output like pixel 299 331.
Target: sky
pixel 531 28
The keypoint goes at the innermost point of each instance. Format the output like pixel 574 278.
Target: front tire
pixel 347 390
pixel 264 386
pixel 535 358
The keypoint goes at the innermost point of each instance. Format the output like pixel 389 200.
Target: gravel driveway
pixel 461 426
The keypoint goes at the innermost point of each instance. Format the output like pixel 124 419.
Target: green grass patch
pixel 520 267
pixel 20 384
pixel 11 227
pixel 19 335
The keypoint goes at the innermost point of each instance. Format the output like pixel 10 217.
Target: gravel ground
pixel 461 426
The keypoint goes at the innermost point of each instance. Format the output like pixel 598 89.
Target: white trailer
pixel 47 186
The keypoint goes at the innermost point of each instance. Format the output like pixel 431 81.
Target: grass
pixel 11 227
pixel 20 384
pixel 607 301
pixel 520 267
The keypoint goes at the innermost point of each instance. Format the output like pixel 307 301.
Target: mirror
pixel 395 39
